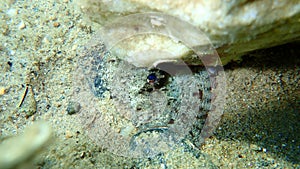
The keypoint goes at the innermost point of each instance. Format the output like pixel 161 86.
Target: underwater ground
pixel 41 43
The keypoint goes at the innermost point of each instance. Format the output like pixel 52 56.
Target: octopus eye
pixel 152 78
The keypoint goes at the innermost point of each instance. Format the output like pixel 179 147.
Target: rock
pixel 21 25
pixel 234 27
pixel 73 107
pixel 3 90
pixel 149 39
pixel 16 151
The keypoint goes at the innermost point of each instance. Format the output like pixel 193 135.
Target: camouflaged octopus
pixel 143 88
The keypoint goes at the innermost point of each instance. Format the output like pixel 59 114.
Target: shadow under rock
pixel 283 56
pixel 272 124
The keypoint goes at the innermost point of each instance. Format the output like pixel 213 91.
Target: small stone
pixel 2 91
pixel 82 155
pixel 21 25
pixel 56 24
pixel 264 150
pixel 73 107
pixel 68 134
pixel 240 156
pixel 52 18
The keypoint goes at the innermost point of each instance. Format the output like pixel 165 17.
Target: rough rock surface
pixel 18 150
pixel 234 27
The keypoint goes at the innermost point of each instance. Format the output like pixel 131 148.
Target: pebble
pixel 56 24
pixel 73 107
pixel 68 134
pixel 264 150
pixel 18 150
pixel 21 25
pixel 2 91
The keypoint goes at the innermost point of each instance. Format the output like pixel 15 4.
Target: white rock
pixel 17 150
pixel 21 25
pixel 234 27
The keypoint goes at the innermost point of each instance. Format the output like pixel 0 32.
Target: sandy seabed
pixel 40 45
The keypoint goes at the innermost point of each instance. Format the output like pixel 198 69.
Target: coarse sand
pixel 39 49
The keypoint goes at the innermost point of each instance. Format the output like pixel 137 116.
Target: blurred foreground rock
pixel 234 27
pixel 16 151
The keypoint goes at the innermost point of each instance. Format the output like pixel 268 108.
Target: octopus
pixel 139 111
